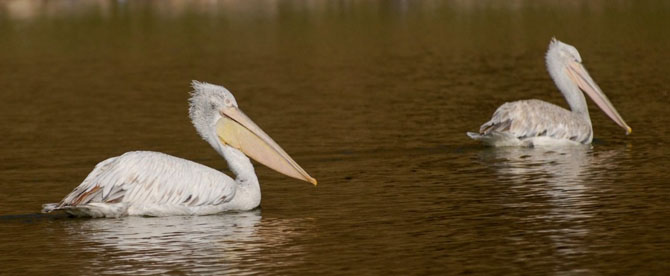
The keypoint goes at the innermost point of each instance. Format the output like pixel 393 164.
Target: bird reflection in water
pixel 232 242
pixel 553 192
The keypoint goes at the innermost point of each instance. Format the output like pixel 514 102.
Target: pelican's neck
pixel 240 165
pixel 571 92
pixel 248 191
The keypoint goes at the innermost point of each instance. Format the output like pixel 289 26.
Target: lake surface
pixel 373 99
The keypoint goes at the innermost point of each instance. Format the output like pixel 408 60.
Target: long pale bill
pixel 240 132
pixel 578 74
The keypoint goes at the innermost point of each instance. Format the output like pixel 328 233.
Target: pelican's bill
pixel 578 74
pixel 237 130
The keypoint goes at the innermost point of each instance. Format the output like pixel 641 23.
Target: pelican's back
pixel 533 122
pixel 148 183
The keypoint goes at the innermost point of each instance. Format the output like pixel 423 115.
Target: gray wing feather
pixel 532 118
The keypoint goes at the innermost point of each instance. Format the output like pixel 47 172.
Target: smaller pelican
pixel 145 183
pixel 534 122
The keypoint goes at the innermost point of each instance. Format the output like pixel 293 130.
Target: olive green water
pixel 371 98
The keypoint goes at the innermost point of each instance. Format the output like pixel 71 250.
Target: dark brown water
pixel 373 99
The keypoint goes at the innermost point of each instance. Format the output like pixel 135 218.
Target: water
pixel 371 98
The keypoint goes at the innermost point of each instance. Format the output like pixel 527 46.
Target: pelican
pixel 144 183
pixel 533 122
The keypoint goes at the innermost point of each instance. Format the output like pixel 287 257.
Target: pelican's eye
pixel 228 102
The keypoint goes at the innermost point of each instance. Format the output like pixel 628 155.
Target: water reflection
pixel 563 169
pixel 233 242
pixel 557 190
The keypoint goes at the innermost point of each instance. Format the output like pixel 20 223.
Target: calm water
pixel 371 98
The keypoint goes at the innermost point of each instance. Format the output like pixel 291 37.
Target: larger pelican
pixel 535 122
pixel 156 184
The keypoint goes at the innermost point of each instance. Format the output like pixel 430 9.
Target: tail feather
pixel 89 210
pixel 49 207
pixel 474 135
pixel 496 139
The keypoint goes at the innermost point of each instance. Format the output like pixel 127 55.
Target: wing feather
pixel 152 178
pixel 533 118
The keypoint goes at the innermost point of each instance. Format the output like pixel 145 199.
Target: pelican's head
pixel 217 118
pixel 565 66
pixel 565 53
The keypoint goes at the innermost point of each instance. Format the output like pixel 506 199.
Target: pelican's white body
pixel 156 184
